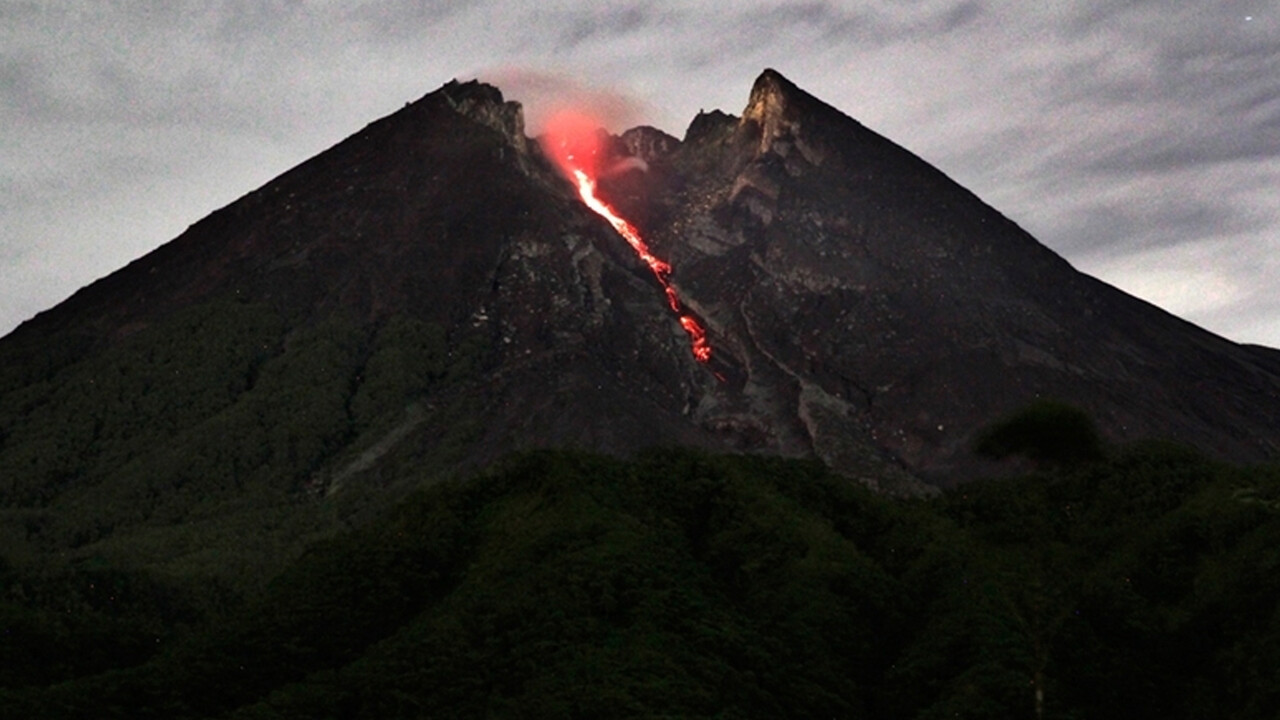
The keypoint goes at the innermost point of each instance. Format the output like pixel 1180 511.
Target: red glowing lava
pixel 573 141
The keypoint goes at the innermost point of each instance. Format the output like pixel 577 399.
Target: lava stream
pixel 661 270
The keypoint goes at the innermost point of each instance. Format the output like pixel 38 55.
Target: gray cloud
pixel 603 24
pixel 1155 222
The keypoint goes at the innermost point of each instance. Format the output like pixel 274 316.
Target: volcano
pixel 432 293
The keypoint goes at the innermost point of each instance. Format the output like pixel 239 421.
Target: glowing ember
pixel 574 144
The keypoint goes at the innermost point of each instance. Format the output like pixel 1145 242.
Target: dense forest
pixel 1136 581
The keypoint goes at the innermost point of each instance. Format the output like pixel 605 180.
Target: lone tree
pixel 1047 432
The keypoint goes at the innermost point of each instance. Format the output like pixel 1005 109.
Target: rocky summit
pixel 431 294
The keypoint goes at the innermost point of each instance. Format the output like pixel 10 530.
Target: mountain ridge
pixel 864 308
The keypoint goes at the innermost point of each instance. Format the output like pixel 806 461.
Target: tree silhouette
pixel 1048 432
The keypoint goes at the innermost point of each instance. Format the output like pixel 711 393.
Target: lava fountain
pixel 572 139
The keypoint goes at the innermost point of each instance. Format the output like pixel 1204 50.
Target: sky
pixel 1139 139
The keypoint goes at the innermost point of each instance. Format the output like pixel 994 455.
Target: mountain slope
pixel 883 292
pixel 430 294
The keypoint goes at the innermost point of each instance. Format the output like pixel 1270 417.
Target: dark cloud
pixel 877 26
pixel 1165 153
pixel 602 25
pixel 379 22
pixel 1209 86
pixel 1144 223
pixel 22 87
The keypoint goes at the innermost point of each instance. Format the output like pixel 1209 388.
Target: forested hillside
pixel 1140 583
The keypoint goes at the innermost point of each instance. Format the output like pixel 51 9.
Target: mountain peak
pixel 769 94
pixel 772 99
pixel 648 143
pixel 484 104
pixel 779 111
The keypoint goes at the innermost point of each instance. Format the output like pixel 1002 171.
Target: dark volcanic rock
pixel 648 143
pixel 868 291
pixel 864 309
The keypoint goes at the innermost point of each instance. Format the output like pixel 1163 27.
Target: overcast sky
pixel 1138 139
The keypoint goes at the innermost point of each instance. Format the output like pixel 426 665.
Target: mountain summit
pixel 431 294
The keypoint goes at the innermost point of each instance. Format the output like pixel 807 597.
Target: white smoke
pixel 625 164
pixel 542 94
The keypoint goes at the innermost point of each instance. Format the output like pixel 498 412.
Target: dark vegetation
pixel 1047 432
pixel 201 447
pixel 563 584
pixel 180 537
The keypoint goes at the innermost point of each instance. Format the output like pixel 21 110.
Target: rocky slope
pixel 430 294
pixel 864 294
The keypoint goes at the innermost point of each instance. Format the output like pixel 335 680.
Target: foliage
pixel 684 585
pixel 1047 432
pixel 195 444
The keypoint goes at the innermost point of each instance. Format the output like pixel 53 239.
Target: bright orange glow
pixel 573 142
pixel 701 348
pixel 661 270
pixel 587 190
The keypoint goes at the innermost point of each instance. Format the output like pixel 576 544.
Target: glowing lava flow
pixel 661 270
pixel 574 141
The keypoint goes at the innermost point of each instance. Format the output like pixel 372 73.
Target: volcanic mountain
pixel 432 293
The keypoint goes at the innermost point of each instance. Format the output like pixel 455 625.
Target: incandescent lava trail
pixel 572 140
